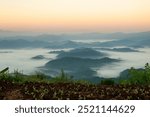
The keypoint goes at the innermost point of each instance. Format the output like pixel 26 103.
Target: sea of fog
pixel 21 60
pixel 129 59
pixel 92 40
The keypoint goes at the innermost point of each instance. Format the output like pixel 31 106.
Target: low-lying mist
pixel 129 59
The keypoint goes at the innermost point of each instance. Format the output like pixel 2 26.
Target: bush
pixel 37 77
pixel 138 76
pixel 107 82
pixel 62 78
pixel 16 76
pixel 4 74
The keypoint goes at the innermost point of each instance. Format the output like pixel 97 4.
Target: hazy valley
pixel 83 56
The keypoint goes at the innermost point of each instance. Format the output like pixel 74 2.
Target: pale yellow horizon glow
pixel 75 15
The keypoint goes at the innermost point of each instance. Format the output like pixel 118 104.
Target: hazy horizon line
pixel 65 32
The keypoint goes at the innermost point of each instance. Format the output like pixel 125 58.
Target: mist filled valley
pixel 89 56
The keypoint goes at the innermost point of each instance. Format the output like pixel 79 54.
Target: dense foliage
pixel 138 76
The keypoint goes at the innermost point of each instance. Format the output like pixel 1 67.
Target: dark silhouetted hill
pixel 82 53
pixel 38 57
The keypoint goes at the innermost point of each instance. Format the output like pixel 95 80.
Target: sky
pixel 75 15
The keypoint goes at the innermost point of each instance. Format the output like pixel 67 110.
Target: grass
pixel 135 77
pixel 38 77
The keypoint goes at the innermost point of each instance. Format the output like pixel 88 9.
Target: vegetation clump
pixel 138 76
pixel 107 82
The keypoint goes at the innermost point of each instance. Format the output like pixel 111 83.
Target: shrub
pixel 4 74
pixel 107 82
pixel 138 76
pixel 62 78
pixel 37 77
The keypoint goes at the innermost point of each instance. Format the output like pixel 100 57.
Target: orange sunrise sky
pixel 75 15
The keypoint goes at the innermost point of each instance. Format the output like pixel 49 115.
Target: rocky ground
pixel 71 91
